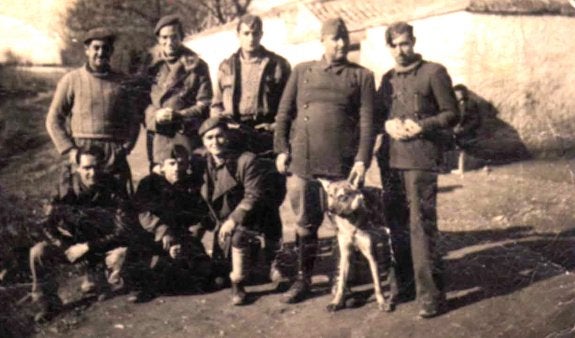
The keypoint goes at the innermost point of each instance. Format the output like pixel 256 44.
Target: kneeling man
pixel 234 190
pixel 173 213
pixel 85 225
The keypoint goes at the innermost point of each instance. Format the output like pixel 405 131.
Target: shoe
pixel 49 306
pixel 141 296
pixel 429 310
pixel 238 294
pixel 299 291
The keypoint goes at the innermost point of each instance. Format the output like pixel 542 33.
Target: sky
pixel 29 29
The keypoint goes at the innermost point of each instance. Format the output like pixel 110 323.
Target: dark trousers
pixel 148 266
pixel 411 212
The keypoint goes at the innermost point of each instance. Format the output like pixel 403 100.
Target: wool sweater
pixel 98 107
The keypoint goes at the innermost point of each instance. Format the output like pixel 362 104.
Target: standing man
pixel 180 90
pixel 97 102
pixel 324 128
pixel 250 84
pixel 419 106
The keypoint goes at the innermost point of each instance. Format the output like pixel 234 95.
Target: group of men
pixel 223 161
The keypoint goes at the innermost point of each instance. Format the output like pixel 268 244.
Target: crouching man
pixel 234 190
pixel 174 215
pixel 85 225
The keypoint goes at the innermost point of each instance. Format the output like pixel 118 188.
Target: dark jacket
pixel 421 92
pixel 272 80
pixel 325 118
pixel 186 88
pixel 165 208
pixel 470 120
pixel 234 189
pixel 95 215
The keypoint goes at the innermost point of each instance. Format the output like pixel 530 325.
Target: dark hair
pixel 460 87
pixel 179 151
pixel 252 21
pixel 398 28
pixel 91 150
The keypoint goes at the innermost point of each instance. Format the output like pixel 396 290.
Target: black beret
pixel 167 20
pixel 100 33
pixel 212 123
pixel 335 27
pixel 171 150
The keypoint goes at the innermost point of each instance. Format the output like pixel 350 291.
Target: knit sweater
pixel 97 106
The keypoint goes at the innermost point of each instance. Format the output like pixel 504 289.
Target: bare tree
pixel 134 21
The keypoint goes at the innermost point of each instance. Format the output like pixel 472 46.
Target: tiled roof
pixel 533 7
pixel 359 14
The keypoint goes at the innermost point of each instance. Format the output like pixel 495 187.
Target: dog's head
pixel 343 199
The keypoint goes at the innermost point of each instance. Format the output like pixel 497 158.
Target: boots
pixel 300 289
pixel 275 274
pixel 240 266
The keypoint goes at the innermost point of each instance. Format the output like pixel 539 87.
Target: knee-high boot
pixel 307 251
pixel 240 269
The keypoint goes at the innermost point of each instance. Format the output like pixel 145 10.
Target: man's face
pixel 99 53
pixel 174 169
pixel 89 170
pixel 249 38
pixel 460 95
pixel 335 47
pixel 170 41
pixel 401 48
pixel 215 141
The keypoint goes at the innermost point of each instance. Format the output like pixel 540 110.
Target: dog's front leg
pixel 345 247
pixel 365 245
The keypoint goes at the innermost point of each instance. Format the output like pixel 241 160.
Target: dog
pixel 357 214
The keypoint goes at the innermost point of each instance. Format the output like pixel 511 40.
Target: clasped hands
pixel 402 130
pixel 165 115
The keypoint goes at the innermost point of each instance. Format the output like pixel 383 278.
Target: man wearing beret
pixel 324 128
pixel 419 106
pixel 180 90
pixel 97 103
pixel 234 190
pixel 171 210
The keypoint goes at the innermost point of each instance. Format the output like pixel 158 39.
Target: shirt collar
pixel 411 66
pixel 337 66
pixel 106 71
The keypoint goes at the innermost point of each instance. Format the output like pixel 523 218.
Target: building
pixel 513 54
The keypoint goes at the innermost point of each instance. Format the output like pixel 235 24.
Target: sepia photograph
pixel 287 168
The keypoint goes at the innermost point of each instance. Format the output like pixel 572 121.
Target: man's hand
pixel 167 242
pixel 395 129
pixel 357 174
pixel 226 229
pixel 164 115
pixel 282 163
pixel 76 251
pixel 266 126
pixel 412 129
pixel 175 251
pixel 72 155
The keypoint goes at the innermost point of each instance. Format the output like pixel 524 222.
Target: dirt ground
pixel 509 239
pixel 508 234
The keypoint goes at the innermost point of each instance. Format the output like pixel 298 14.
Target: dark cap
pixel 334 27
pixel 171 150
pixel 99 33
pixel 168 20
pixel 212 123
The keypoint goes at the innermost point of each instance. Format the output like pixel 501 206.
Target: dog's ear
pixel 324 183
